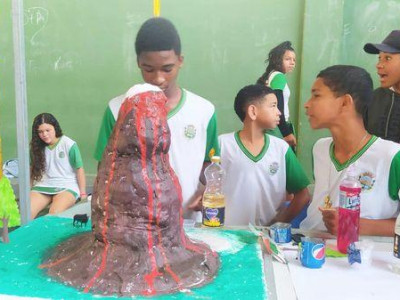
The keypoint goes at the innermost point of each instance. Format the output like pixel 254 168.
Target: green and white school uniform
pixel 277 81
pixel 255 186
pixel 193 128
pixel 62 160
pixel 378 167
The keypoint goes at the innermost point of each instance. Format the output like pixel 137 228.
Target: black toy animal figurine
pixel 80 219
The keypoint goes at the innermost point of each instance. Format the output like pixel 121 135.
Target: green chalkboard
pixel 80 54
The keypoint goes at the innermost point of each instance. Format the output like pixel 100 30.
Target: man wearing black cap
pixel 383 116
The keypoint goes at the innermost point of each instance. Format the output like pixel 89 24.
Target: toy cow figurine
pixel 79 220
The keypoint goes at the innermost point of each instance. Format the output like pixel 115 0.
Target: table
pixel 337 279
pixel 241 274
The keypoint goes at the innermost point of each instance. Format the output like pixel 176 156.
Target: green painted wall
pixel 321 48
pixel 80 54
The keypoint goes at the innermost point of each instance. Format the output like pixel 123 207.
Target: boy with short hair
pixel 339 98
pixel 260 168
pixel 383 115
pixel 191 119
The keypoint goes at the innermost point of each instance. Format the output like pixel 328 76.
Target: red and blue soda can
pixel 281 232
pixel 312 254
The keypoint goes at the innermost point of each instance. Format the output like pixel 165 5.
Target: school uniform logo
pixel 190 131
pixel 61 154
pixel 273 168
pixel 367 181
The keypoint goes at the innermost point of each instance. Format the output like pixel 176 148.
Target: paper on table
pixel 337 279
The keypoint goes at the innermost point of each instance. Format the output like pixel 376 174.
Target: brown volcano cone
pixel 137 245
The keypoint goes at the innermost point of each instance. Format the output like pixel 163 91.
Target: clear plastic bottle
pixel 213 198
pixel 396 246
pixel 349 210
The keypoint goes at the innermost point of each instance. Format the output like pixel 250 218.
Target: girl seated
pixel 57 174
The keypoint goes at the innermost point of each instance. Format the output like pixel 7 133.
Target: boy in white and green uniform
pixel 255 186
pixel 192 124
pixel 377 165
pixel 191 119
pixel 260 169
pixel 62 160
pixel 340 96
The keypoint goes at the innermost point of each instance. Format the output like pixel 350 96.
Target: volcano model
pixel 137 245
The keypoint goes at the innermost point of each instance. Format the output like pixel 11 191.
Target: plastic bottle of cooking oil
pixel 213 198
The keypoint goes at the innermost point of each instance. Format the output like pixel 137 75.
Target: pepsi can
pixel 281 232
pixel 312 253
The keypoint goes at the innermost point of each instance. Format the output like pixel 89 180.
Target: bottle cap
pixel 352 170
pixel 215 159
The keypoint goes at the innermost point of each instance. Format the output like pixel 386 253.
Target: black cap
pixel 391 44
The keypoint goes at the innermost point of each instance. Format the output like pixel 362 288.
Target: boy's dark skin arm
pixel 382 227
pixel 197 203
pixel 287 214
